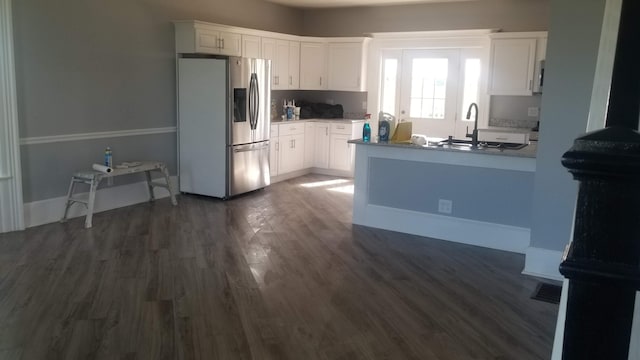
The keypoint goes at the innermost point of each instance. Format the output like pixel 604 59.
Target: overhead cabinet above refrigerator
pixel 223 125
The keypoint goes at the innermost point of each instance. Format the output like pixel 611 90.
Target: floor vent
pixel 547 292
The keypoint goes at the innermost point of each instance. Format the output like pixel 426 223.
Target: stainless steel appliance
pixel 223 124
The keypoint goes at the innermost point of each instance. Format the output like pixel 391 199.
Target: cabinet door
pixel 345 66
pixel 321 153
pixel 269 52
pixel 274 147
pixel 291 153
pixel 294 65
pixel 541 54
pixel 340 157
pixel 251 46
pixel 313 66
pixel 512 65
pixel 282 64
pixel 207 42
pixel 309 144
pixel 230 44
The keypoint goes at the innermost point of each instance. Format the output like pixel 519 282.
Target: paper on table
pixel 102 168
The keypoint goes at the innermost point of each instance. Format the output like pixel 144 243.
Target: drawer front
pixel 274 131
pixel 496 136
pixel 291 129
pixel 344 129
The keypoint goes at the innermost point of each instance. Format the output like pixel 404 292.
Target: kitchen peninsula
pixel 475 196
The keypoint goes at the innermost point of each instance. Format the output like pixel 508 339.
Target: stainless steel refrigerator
pixel 223 124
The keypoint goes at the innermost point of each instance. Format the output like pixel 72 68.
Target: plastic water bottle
pixel 108 157
pixel 366 132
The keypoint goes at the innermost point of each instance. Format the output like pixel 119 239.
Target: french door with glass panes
pixel 436 88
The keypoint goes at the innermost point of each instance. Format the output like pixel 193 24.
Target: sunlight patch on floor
pixel 324 183
pixel 347 189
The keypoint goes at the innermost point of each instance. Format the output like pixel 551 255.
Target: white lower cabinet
pixel 291 147
pixel 274 151
pixel 274 154
pixel 319 145
pixel 321 153
pixel 340 156
pixel 291 153
pixel 309 143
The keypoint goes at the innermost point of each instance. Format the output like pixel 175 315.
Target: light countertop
pixel 528 151
pixel 318 120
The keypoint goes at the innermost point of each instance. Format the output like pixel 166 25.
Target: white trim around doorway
pixel 11 207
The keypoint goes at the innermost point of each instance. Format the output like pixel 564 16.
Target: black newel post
pixel 603 260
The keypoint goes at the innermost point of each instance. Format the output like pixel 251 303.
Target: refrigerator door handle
pixel 254 100
pixel 250 148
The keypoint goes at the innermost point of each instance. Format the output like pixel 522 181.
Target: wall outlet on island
pixel 533 111
pixel 445 206
pixel 364 105
pixel 330 101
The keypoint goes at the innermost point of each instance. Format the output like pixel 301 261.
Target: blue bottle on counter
pixel 366 132
pixel 108 157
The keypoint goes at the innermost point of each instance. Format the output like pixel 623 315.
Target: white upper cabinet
pixel 269 53
pixel 541 55
pixel 297 62
pixel 514 58
pixel 199 37
pixel 347 65
pixel 285 62
pixel 313 66
pixel 251 47
pixel 294 64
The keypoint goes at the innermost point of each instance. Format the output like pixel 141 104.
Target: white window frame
pixel 385 45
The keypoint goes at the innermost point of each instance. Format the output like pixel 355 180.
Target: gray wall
pixel 572 51
pixel 508 15
pixel 87 66
pixel 472 190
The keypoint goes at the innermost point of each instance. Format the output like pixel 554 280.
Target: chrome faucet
pixel 474 134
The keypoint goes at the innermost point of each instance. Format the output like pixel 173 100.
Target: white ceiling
pixel 346 3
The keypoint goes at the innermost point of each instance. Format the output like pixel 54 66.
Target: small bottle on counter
pixel 108 157
pixel 366 132
pixel 366 129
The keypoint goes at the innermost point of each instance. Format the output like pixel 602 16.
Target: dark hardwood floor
pixel 276 274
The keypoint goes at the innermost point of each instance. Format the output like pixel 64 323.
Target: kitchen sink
pixel 464 143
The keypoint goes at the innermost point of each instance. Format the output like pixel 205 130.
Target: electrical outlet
pixel 364 105
pixel 533 111
pixel 445 206
pixel 330 101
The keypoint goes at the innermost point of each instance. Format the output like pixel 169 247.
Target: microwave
pixel 538 77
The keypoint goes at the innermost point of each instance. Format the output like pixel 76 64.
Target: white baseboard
pixel 472 232
pixel 543 263
pixel 51 210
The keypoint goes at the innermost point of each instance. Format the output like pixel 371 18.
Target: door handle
pixel 251 149
pixel 290 80
pixel 222 43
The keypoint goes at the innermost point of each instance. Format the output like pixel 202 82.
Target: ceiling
pixel 348 3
